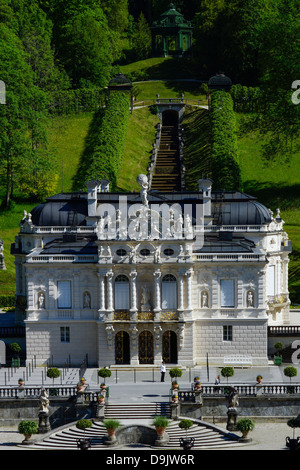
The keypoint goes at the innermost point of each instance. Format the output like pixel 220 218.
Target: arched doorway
pixel 122 348
pixel 170 118
pixel 146 350
pixel 169 347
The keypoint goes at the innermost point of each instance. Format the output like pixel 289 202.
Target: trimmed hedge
pixel 105 143
pixel 225 170
pixel 7 301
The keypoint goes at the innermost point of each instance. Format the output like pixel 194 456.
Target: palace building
pixel 140 277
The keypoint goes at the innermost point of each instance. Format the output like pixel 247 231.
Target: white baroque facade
pixel 140 277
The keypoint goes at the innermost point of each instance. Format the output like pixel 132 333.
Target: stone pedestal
pixel 231 419
pixel 110 440
pixel 44 425
pixel 100 411
pixel 162 439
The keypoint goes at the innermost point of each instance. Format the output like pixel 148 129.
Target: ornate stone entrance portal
pixel 122 348
pixel 146 350
pixel 169 347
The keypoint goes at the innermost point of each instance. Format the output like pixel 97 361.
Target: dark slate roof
pixel 228 208
pixel 71 244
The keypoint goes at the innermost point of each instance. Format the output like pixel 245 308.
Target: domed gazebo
pixel 219 82
pixel 171 34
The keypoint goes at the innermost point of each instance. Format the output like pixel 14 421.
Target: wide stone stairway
pixel 167 168
pixel 206 436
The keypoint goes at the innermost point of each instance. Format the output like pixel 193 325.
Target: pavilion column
pixel 133 300
pixel 180 290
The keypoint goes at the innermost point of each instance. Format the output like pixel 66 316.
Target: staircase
pixel 167 168
pixel 134 411
pixel 206 436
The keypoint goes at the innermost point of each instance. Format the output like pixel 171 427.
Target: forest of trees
pixel 51 46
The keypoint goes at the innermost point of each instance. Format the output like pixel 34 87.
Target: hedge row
pixel 7 301
pixel 105 142
pixel 224 151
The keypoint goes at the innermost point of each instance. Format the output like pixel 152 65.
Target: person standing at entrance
pixel 162 371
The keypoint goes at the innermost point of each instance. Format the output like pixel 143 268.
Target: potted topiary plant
pixel 101 399
pixel 16 349
pixel 111 426
pixel 277 356
pixel 175 372
pixel 186 443
pixel 259 379
pixel 293 443
pixel 104 373
pixel 28 428
pixel 83 424
pixel 53 373
pixel 245 425
pixel 290 372
pixel 227 372
pixel 160 423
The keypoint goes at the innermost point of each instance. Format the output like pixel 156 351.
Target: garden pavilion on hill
pixel 171 34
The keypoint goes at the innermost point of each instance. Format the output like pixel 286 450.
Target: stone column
pixel 110 296
pixel 101 278
pixel 157 296
pixel 133 304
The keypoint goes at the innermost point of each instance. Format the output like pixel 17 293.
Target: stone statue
pixel 250 299
pixel 233 399
pixel 204 299
pixel 86 300
pixel 44 425
pixel 44 401
pixel 41 300
pixel 232 413
pixel 142 181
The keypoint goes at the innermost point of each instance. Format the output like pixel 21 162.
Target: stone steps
pixel 206 436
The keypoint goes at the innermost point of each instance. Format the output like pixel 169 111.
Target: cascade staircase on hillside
pixel 166 176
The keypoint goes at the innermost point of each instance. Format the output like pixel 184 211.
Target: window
pixel 65 334
pixel 145 252
pixel 64 294
pixel 121 252
pixel 169 292
pixel 121 292
pixel 169 252
pixel 227 293
pixel 227 333
pixel 270 280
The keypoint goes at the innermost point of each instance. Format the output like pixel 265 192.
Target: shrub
pixel 53 373
pixel 111 423
pixel 175 372
pixel 160 422
pixel 104 373
pixel 245 425
pixel 185 424
pixel 227 372
pixel 83 424
pixel 293 423
pixel 28 428
pixel 290 372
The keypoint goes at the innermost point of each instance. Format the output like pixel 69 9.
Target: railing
pixel 245 390
pixel 284 330
pixel 215 257
pixel 63 259
pixel 12 331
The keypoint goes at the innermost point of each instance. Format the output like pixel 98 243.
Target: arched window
pixel 121 292
pixel 169 292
